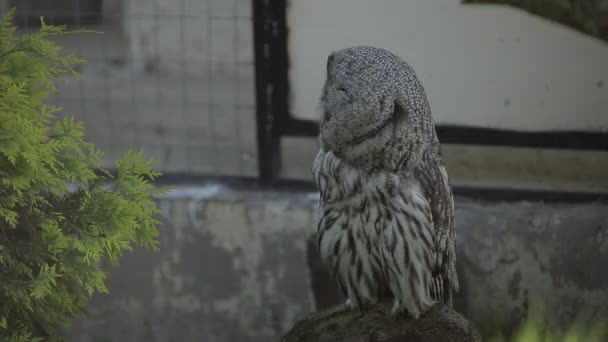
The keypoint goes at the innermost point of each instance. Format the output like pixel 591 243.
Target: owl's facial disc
pixel 374 130
pixel 375 112
pixel 350 119
pixel 342 133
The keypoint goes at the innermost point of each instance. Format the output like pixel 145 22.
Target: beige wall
pixel 481 65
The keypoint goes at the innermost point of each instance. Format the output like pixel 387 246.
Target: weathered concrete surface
pixel 232 267
pixel 511 255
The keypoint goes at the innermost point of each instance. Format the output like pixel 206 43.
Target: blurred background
pixel 223 95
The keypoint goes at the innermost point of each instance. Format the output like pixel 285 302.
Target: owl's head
pixel 375 113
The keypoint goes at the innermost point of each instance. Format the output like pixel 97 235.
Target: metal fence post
pixel 271 80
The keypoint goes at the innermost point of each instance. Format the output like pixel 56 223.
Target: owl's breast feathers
pixel 376 233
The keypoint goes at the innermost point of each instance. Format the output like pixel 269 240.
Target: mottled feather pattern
pixel 433 177
pixel 376 234
pixel 386 227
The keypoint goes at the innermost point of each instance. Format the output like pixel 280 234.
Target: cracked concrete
pixel 233 267
pixel 513 255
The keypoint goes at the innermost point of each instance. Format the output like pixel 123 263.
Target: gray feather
pixel 387 208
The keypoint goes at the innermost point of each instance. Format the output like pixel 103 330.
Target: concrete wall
pixel 232 267
pixel 512 256
pixel 485 66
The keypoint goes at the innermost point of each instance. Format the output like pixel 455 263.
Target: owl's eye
pixel 341 89
pixel 329 65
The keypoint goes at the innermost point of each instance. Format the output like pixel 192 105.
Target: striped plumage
pixel 386 227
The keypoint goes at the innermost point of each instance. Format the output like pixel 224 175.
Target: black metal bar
pixel 575 140
pixel 300 128
pixel 272 86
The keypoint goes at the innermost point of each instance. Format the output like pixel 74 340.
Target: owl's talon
pixel 398 309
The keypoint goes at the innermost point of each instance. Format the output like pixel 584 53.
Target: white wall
pixel 482 65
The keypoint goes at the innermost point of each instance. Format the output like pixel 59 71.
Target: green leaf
pixel 61 214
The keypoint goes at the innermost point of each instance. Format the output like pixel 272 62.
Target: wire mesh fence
pixel 174 77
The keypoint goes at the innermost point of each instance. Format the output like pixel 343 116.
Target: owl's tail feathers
pixel 441 290
pixel 437 288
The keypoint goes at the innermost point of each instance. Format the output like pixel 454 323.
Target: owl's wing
pixel 433 178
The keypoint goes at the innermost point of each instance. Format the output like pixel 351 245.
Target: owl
pixel 386 225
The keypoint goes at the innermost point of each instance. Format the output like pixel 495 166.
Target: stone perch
pixel 338 324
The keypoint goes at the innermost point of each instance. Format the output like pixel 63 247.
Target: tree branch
pixel 589 16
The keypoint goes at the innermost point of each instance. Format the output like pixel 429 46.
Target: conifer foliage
pixel 61 214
